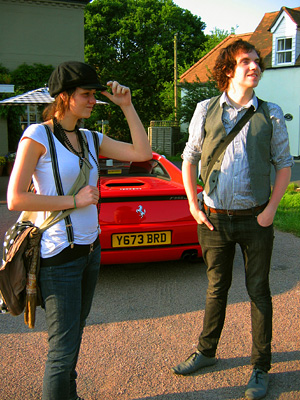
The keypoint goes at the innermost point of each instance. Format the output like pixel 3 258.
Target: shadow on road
pixel 156 290
pixel 235 392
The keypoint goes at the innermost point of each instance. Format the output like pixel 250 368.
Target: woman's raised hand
pixel 120 96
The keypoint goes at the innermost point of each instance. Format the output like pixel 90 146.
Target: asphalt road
pixel 146 318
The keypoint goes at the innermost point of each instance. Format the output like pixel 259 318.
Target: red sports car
pixel 144 214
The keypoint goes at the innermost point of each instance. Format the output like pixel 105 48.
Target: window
pixel 121 168
pixel 32 116
pixel 284 51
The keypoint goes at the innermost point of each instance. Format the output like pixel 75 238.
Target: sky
pixel 242 15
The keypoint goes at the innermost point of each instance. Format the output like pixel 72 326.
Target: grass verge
pixel 287 218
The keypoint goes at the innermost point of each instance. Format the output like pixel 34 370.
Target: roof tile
pixel 261 38
pixel 203 67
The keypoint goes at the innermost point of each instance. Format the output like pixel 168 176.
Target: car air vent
pixel 118 184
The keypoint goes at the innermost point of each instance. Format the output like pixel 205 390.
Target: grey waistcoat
pixel 258 147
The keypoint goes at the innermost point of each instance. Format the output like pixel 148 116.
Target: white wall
pixel 282 86
pixel 40 32
pixel 43 32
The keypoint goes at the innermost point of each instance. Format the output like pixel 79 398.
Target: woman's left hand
pixel 120 96
pixel 139 149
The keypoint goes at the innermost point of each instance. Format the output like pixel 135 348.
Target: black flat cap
pixel 72 74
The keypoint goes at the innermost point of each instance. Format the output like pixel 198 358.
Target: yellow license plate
pixel 141 239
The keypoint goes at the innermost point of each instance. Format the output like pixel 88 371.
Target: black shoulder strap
pixel 231 135
pixel 58 183
pixel 97 149
pixel 96 143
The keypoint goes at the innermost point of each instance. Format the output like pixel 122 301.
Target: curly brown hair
pixel 226 62
pixel 59 107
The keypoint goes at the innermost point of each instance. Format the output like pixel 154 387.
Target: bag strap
pixel 231 135
pixel 82 180
pixel 58 183
pixel 97 149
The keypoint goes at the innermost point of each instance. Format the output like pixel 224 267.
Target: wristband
pixel 74 201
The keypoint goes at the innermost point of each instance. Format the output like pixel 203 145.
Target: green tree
pixel 213 40
pixel 30 77
pixel 193 93
pixel 5 77
pixel 132 42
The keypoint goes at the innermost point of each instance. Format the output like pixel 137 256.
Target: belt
pixel 70 254
pixel 247 212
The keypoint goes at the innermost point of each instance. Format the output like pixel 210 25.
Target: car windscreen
pixel 123 168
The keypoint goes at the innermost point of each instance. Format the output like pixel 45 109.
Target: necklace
pixel 72 130
pixel 82 141
pixel 57 126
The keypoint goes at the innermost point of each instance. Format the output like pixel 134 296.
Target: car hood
pixel 135 186
pixel 142 200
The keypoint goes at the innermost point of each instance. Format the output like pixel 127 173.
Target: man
pixel 237 207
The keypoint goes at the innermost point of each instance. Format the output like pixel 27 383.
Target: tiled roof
pixel 261 38
pixel 203 67
pixel 294 13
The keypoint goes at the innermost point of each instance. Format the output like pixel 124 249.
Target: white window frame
pixel 282 53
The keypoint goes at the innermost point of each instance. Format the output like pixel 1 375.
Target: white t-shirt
pixel 84 220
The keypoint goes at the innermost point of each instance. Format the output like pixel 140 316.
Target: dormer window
pixel 285 38
pixel 284 50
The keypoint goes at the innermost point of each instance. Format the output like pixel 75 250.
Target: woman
pixel 68 273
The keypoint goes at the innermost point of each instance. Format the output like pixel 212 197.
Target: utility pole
pixel 175 77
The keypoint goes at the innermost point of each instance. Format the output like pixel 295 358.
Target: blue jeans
pixel 218 247
pixel 67 291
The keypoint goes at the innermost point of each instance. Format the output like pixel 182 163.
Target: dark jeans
pixel 218 247
pixel 67 291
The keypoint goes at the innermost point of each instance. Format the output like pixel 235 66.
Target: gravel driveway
pixel 146 318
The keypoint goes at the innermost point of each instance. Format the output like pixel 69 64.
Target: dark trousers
pixel 67 291
pixel 218 247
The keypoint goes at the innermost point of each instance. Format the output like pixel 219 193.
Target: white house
pixel 278 39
